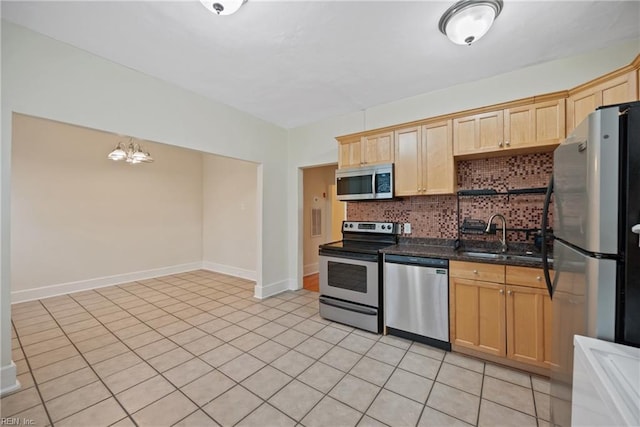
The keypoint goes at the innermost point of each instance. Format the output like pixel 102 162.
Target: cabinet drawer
pixel 477 271
pixel 526 276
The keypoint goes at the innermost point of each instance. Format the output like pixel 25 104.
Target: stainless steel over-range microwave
pixel 365 183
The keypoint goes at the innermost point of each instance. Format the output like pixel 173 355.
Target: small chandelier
pixel 223 7
pixel 133 154
pixel 468 20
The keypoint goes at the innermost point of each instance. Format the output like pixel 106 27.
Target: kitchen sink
pixel 486 255
pixel 525 257
pixel 507 256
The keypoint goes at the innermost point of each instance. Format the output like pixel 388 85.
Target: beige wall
pixel 78 216
pixel 316 195
pixel 230 216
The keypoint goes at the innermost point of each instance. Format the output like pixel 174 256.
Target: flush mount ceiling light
pixel 133 154
pixel 223 7
pixel 468 20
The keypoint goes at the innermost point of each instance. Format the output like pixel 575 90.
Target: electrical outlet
pixel 407 228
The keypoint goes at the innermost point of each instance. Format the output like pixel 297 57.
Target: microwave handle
pixel 373 184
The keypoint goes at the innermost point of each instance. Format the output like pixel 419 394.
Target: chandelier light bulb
pixel 118 153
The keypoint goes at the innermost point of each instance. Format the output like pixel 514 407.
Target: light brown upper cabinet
pixel 350 152
pixel 356 151
pixel 377 148
pixel 438 166
pixel 424 160
pixel 613 88
pixel 479 133
pixel 534 125
pixel 407 179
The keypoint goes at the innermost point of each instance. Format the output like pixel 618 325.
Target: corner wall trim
pixel 230 270
pixel 271 289
pixel 100 282
pixel 8 379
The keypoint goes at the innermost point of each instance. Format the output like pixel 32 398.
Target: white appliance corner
pixel 266 291
pixel 312 268
pixel 230 270
pixel 8 379
pixel 99 282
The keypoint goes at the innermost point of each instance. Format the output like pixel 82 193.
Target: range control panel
pixel 371 227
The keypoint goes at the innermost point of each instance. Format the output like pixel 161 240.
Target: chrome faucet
pixel 504 230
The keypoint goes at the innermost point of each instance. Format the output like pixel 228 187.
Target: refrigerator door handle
pixel 544 248
pixel 636 229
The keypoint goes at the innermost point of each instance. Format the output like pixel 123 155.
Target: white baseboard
pixel 311 269
pixel 8 380
pixel 100 282
pixel 271 289
pixel 230 270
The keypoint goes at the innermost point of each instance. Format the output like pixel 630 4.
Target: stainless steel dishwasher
pixel 416 299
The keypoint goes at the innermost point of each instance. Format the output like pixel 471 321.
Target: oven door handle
pixel 348 255
pixel 347 306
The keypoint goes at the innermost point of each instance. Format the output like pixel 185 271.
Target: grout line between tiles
pixel 484 371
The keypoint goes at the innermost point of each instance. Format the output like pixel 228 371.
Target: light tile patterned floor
pixel 196 349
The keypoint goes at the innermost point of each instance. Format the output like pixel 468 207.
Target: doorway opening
pixel 322 216
pixel 89 222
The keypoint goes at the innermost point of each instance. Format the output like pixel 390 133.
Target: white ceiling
pixel 296 62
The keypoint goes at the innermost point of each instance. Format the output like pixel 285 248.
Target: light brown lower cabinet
pixel 529 325
pixel 478 315
pixel 505 320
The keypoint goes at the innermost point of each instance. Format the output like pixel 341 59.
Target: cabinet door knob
pixel 475 271
pixel 538 278
pixel 508 292
pixel 501 291
pixel 506 143
pixel 500 144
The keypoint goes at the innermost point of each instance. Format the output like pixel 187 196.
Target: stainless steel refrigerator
pixel 596 254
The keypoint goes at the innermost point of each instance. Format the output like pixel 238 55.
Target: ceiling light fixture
pixel 133 154
pixel 223 7
pixel 468 20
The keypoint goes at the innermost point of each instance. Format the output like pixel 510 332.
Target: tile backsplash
pixel 436 216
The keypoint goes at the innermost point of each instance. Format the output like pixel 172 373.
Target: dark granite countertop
pixel 519 254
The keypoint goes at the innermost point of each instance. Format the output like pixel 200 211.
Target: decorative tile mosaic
pixel 436 216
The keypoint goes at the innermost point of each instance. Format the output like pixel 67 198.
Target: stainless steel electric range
pixel 351 274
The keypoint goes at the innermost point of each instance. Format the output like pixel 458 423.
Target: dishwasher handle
pixel 419 261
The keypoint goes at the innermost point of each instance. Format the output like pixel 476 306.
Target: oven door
pixel 350 277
